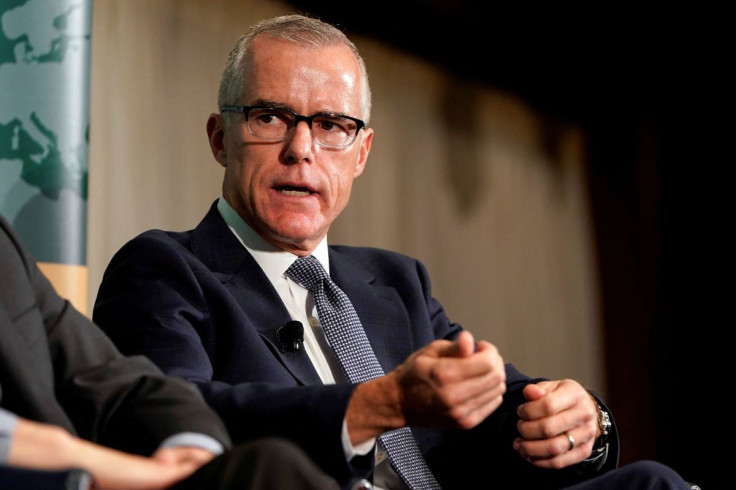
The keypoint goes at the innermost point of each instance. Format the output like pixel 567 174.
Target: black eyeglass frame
pixel 245 110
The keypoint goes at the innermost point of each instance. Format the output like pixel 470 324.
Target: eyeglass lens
pixel 274 124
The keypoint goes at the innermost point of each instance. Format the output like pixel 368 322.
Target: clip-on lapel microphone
pixel 291 336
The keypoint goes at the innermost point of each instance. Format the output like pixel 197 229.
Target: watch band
pixel 599 453
pixel 604 426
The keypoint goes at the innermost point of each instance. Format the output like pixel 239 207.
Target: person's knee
pixel 279 463
pixel 652 475
pixel 274 447
pixel 276 451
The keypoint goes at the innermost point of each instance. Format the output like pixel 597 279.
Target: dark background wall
pixel 645 86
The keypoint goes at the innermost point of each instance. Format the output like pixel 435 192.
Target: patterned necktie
pixel 348 339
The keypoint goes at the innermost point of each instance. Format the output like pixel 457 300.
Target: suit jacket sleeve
pixel 460 459
pixel 57 367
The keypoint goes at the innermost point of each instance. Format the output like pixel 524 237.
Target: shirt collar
pixel 272 259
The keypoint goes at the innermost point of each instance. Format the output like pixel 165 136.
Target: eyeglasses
pixel 271 124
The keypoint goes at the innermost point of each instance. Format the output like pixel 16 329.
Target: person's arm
pixel 46 447
pixel 493 438
pixel 123 402
pixel 445 385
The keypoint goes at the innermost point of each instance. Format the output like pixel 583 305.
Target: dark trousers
pixel 642 475
pixel 19 478
pixel 264 464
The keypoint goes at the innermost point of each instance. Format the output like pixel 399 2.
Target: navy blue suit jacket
pixel 201 308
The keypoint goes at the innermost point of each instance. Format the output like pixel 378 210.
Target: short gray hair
pixel 299 29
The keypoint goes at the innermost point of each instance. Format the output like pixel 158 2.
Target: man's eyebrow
pixel 280 105
pixel 272 103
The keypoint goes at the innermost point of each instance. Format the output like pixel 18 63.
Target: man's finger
pixel 463 346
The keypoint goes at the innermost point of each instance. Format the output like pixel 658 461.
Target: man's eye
pixel 333 125
pixel 266 118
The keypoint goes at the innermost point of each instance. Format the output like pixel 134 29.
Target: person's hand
pixel 450 384
pixel 444 385
pixel 183 455
pixel 167 466
pixel 555 410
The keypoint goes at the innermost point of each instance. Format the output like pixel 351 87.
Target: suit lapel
pixel 380 309
pixel 218 248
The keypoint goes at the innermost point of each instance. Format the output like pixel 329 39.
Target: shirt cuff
pixel 8 423
pixel 194 439
pixel 352 451
pixel 78 480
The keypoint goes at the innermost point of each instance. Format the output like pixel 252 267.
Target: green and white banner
pixel 44 134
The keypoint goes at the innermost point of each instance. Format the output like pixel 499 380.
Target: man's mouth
pixel 288 190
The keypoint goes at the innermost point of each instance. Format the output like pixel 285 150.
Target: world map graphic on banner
pixel 44 125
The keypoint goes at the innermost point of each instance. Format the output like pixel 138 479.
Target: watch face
pixel 605 422
pixel 604 425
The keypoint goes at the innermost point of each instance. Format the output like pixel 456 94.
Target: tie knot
pixel 307 271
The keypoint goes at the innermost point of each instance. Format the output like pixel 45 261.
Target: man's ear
pixel 365 149
pixel 216 135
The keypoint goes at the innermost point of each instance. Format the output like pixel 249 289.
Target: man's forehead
pixel 268 49
pixel 288 73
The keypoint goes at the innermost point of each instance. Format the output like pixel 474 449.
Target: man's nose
pixel 299 142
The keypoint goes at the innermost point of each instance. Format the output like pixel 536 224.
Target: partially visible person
pixel 383 384
pixel 64 385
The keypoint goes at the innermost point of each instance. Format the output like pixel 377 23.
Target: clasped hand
pixel 554 410
pixel 451 384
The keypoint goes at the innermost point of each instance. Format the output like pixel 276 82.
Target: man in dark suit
pixel 63 384
pixel 213 305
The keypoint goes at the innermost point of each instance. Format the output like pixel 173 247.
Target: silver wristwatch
pixel 599 453
pixel 600 446
pixel 604 425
